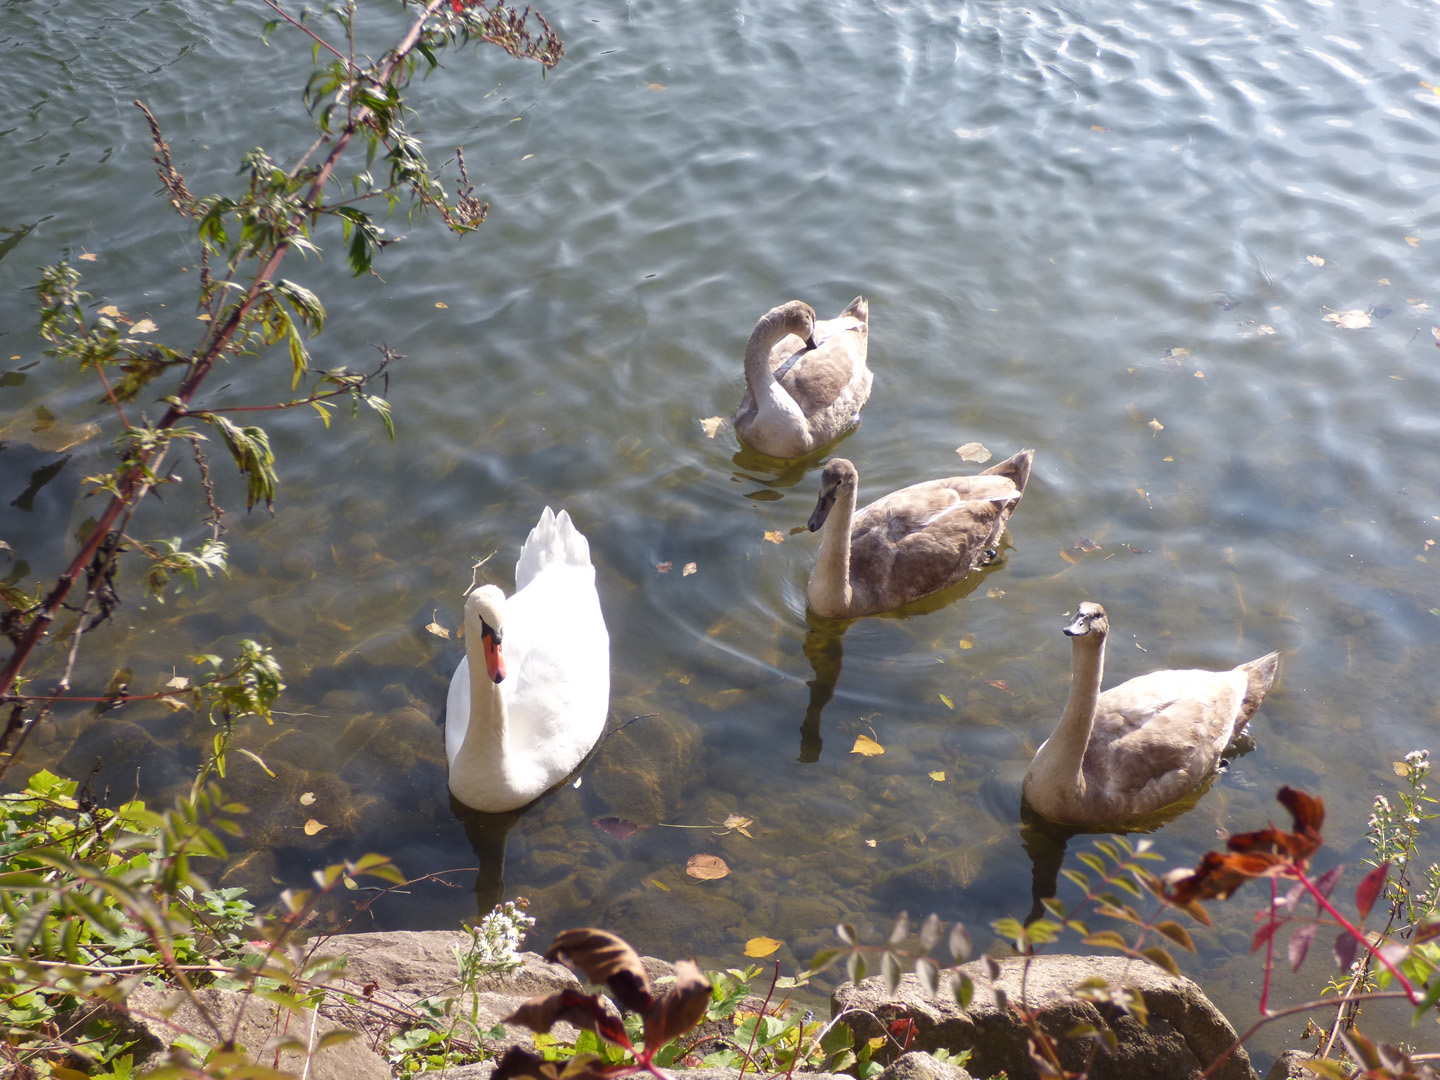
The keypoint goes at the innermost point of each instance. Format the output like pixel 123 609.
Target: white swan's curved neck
pixel 1062 764
pixel 487 733
pixel 830 592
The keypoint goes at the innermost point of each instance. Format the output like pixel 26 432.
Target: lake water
pixel 1111 232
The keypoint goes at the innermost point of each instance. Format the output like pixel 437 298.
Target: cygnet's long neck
pixel 770 396
pixel 487 733
pixel 1062 762
pixel 829 591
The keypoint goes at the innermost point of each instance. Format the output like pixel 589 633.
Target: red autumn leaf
pixel 1001 684
pixel 615 826
pixel 606 958
pixel 1300 944
pixel 1264 934
pixel 1325 883
pixel 1369 888
pixel 1345 949
pixel 680 1008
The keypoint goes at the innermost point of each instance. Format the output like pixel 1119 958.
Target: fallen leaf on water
pixel 1176 351
pixel 438 304
pixel 706 867
pixel 994 593
pixel 1314 260
pixel 89 256
pixel 435 628
pixel 938 775
pixel 664 567
pixel 869 843
pixel 866 746
pixel 1401 769
pixel 1067 556
pixel 1086 544
pixel 656 87
pixel 178 682
pixel 660 885
pixel 1156 426
pixel 1001 684
pixel 685 679
pixel 711 424
pixel 110 310
pixel 1098 127
pixel 1354 319
pixel 308 799
pixel 312 827
pixel 1435 332
pixel 689 569
pixel 775 536
pixel 1134 549
pixel 761 946
pixel 739 823
pixel 1413 241
pixel 948 703
pixel 144 326
pixel 973 451
pixel 1383 281
pixel 617 827
pixel 1264 329
pixel 968 641
pixel 203 316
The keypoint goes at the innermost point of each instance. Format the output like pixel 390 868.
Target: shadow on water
pixel 487 834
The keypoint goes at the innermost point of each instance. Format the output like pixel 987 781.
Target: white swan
pixel 539 666
pixel 912 542
pixel 805 381
pixel 1142 745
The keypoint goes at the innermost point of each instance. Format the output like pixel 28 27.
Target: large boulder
pixel 1184 1034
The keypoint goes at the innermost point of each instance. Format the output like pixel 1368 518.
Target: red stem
pixel 1358 935
pixel 1269 954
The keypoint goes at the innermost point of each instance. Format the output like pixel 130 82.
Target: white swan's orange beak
pixel 494 662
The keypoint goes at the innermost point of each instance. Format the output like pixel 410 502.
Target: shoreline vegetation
pixel 118 951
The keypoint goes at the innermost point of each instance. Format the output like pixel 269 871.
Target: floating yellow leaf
pixel 203 316
pixel 1156 426
pixel 690 568
pixel 871 843
pixel 438 304
pixel 712 424
pixel 706 867
pixel 178 682
pixel 1098 127
pixel 948 703
pixel 435 628
pixel 1314 260
pixel 973 451
pixel 660 885
pixel 1067 556
pixel 144 326
pixel 775 536
pixel 1354 319
pixel 761 946
pixel 656 87
pixel 308 799
pixel 1401 769
pixel 685 679
pixel 89 256
pixel 968 641
pixel 1413 241
pixel 109 309
pixel 938 775
pixel 867 746
pixel 312 827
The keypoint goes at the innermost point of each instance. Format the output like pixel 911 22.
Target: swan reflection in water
pixel 487 834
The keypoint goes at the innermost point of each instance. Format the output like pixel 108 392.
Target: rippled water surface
pixel 1111 232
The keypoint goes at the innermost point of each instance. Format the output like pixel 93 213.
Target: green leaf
pixel 1161 959
pixel 1176 933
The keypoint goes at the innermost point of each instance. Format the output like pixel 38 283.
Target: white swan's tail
pixel 554 539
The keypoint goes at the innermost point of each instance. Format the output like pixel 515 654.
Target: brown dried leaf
pixel 570 1006
pixel 1001 684
pixel 681 1007
pixel 664 567
pixel 707 867
pixel 308 799
pixel 606 958
pixel 312 827
pixel 1067 557
pixel 435 628
pixel 1086 544
pixel 144 326
pixel 973 451
pixel 88 256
